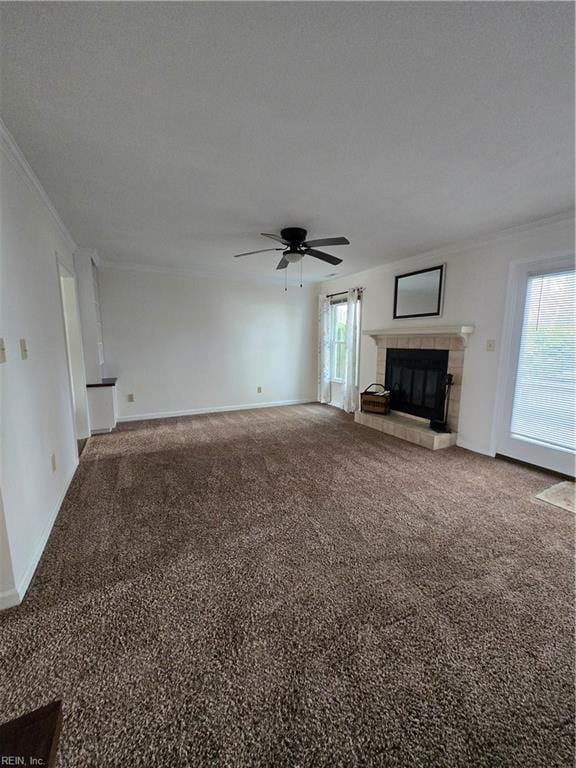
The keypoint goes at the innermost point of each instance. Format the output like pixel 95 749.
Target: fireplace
pixel 415 363
pixel 416 379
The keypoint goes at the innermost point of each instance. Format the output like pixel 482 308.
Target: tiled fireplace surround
pixel 408 427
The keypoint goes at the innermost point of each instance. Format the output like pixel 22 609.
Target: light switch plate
pixel 130 398
pixel 490 345
pixel 53 462
pixel 259 390
pixel 2 351
pixel 23 349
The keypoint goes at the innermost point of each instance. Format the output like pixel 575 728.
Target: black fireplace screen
pixel 416 379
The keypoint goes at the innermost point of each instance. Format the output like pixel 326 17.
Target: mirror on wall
pixel 419 294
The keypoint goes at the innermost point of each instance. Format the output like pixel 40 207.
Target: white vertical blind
pixel 545 395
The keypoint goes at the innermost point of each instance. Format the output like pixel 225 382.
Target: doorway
pixel 75 355
pixel 538 422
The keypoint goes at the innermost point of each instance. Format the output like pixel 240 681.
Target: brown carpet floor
pixel 285 588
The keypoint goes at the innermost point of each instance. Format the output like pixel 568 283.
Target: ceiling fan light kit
pixel 295 247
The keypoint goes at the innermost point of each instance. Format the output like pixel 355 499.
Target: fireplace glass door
pixel 416 379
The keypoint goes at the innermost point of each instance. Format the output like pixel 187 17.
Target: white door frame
pixel 558 460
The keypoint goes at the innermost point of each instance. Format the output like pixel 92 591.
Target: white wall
pixel 475 293
pixel 35 407
pixel 88 300
pixel 7 587
pixel 75 354
pixel 183 344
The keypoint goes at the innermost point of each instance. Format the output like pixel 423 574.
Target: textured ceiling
pixel 172 134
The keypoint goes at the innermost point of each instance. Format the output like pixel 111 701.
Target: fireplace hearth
pixel 416 379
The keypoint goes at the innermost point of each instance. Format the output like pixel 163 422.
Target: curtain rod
pixel 341 293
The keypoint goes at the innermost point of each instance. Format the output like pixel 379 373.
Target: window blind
pixel 545 398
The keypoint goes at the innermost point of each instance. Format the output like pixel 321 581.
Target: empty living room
pixel 287 384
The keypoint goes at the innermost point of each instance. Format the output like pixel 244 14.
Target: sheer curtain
pixel 324 316
pixel 350 393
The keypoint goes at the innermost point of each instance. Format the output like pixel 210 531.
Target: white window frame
pixel 333 342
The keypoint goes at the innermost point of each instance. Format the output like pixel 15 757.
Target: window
pixel 544 396
pixel 339 314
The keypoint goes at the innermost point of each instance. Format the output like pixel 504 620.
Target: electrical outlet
pixel 259 390
pixel 490 345
pixel 2 351
pixel 23 349
pixel 53 462
pixel 130 398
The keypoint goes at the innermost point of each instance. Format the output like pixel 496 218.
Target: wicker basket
pixel 375 402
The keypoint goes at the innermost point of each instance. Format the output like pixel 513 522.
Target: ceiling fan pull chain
pixel 301 260
pixel 285 279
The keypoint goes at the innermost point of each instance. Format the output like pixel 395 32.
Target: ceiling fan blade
pixel 326 241
pixel 274 237
pixel 264 250
pixel 323 256
pixel 283 263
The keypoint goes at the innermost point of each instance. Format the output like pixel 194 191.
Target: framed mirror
pixel 419 294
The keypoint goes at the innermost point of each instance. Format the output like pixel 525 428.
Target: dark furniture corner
pixel 32 739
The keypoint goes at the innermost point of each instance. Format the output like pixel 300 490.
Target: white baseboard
pixel 15 596
pixel 214 409
pixel 9 599
pixel 474 448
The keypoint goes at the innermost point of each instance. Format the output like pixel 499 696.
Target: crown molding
pixel 497 235
pixel 422 258
pixel 204 273
pixel 416 259
pixel 15 154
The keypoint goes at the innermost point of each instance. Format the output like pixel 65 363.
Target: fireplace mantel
pixel 463 331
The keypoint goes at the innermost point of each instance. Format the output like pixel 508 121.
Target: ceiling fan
pixel 295 246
